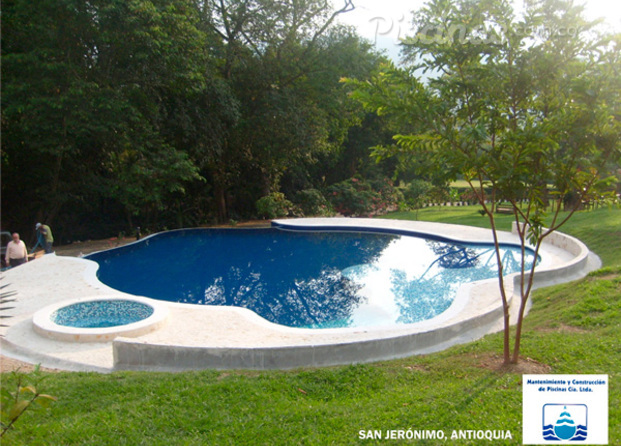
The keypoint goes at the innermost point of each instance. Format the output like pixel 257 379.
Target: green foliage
pixel 168 114
pixel 469 196
pixel 312 203
pixel 351 197
pixel 415 194
pixel 357 197
pixel 389 195
pixel 501 113
pixel 87 103
pixel 274 205
pixel 25 396
pixel 284 61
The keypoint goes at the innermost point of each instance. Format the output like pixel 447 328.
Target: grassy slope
pixel 447 390
pixel 599 229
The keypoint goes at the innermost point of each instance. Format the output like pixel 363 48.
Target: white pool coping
pixel 45 326
pixel 198 337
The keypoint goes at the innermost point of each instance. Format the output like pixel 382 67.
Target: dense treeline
pixel 171 113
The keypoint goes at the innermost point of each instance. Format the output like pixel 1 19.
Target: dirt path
pixel 14 365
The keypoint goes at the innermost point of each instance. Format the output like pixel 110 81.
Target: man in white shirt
pixel 16 252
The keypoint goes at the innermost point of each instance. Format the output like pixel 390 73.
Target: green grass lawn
pixel 572 328
pixel 599 229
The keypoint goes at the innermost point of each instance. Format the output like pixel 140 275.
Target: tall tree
pixel 89 90
pixel 45 68
pixel 525 116
pixel 269 50
pixel 168 112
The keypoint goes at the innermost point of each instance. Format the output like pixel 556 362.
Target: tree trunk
pixel 130 222
pixel 220 198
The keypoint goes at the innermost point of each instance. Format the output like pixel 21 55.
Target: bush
pixel 439 194
pixel 389 195
pixel 312 203
pixel 469 196
pixel 415 194
pixel 274 205
pixel 356 197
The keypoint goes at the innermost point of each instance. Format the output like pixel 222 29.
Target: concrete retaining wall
pixel 132 354
pixel 575 269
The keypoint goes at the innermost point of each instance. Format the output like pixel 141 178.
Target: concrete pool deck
pixel 198 337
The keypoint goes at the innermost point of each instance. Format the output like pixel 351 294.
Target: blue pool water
pixel 304 278
pixel 101 313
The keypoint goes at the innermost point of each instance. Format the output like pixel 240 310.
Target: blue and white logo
pixel 565 422
pixel 565 409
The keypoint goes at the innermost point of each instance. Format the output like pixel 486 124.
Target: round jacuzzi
pixel 102 313
pixel 99 319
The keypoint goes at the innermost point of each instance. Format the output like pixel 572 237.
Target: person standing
pixel 44 237
pixel 16 253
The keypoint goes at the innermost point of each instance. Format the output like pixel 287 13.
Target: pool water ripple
pixel 101 313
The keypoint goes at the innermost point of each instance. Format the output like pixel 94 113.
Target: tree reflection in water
pixel 289 278
pixel 303 279
pixel 434 290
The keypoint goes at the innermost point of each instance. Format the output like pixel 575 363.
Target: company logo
pixel 562 422
pixel 565 409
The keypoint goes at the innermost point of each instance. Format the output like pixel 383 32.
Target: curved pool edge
pixel 236 338
pixel 421 338
pixel 130 354
pixel 44 325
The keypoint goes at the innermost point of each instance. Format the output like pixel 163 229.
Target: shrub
pixel 356 197
pixel 274 205
pixel 439 194
pixel 25 396
pixel 415 194
pixel 389 195
pixel 469 196
pixel 312 203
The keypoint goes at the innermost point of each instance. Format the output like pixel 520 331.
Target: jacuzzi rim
pixel 44 324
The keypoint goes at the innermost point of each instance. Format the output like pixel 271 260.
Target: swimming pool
pixel 184 336
pixel 305 278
